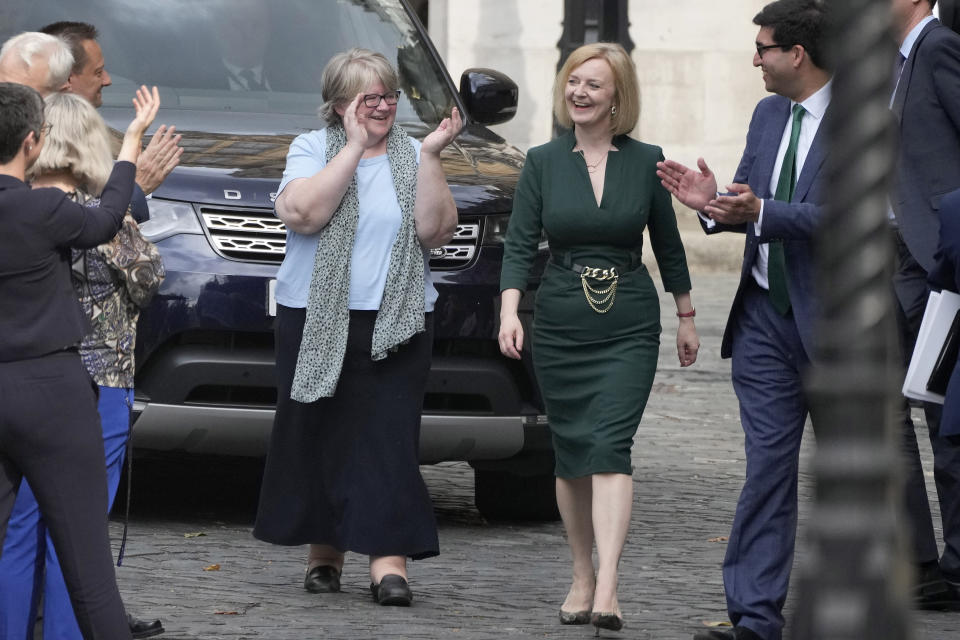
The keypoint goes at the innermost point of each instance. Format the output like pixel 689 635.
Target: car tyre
pixel 504 495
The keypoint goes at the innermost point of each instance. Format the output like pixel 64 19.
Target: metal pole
pixel 856 581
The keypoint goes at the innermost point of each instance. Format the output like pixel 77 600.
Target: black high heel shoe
pixel 609 621
pixel 574 617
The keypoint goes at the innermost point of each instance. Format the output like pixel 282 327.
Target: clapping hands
pixel 444 134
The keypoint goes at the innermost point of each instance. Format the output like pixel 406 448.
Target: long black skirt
pixel 344 471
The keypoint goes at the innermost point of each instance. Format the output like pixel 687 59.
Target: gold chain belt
pixel 599 299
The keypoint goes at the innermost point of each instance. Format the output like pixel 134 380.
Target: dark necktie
pixel 776 263
pixel 251 80
pixel 897 72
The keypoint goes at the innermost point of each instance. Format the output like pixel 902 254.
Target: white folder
pixel 941 309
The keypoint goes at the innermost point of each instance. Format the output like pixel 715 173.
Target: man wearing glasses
pixel 926 103
pixel 775 200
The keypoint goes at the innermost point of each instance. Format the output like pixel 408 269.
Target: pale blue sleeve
pixel 306 157
pixel 416 147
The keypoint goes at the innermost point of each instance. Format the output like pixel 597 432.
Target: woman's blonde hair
pixel 626 94
pixel 78 141
pixel 350 72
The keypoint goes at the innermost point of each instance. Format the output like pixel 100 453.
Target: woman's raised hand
pixel 146 103
pixel 446 131
pixel 354 123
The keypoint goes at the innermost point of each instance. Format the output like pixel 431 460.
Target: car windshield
pixel 259 59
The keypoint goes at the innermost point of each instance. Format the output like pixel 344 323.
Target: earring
pixel 613 109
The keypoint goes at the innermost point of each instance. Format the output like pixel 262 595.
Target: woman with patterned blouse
pixel 113 281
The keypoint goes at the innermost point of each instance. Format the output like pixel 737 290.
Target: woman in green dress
pixel 596 329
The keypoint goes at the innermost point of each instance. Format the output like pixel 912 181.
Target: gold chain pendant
pixel 597 298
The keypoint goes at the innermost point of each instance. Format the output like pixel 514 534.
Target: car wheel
pixel 506 495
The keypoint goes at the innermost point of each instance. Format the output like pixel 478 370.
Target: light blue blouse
pixel 377 230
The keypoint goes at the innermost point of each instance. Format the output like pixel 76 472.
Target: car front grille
pixel 256 235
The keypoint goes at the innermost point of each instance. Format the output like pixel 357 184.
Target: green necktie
pixel 776 263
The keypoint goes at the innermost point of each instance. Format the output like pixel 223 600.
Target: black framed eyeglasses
pixel 372 100
pixel 45 128
pixel 762 48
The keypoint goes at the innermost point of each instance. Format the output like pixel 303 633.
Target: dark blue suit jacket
pixel 794 222
pixel 927 105
pixel 946 275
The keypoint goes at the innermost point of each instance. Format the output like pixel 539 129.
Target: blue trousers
pixel 768 365
pixel 29 565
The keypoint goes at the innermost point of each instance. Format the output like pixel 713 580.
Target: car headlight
pixel 169 218
pixel 495 231
pixel 495 228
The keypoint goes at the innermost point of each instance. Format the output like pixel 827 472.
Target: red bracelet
pixel 687 314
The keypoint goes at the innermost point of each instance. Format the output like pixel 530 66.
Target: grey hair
pixel 78 141
pixel 350 72
pixel 30 44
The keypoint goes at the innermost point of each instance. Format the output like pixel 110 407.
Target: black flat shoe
pixel 393 591
pixel 574 617
pixel 609 621
pixel 144 628
pixel 322 579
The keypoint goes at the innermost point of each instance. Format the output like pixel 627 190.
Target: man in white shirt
pixel 775 200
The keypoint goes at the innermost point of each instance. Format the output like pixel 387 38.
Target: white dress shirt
pixel 814 109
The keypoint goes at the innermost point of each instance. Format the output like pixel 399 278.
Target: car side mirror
pixel 489 96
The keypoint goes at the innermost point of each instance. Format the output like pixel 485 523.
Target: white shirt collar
pixel 816 105
pixel 911 38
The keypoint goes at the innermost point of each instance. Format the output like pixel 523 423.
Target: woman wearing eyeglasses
pixel 363 203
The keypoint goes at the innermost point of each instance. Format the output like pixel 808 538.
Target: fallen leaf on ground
pixel 724 623
pixel 213 567
pixel 242 611
pixel 719 539
pixel 194 535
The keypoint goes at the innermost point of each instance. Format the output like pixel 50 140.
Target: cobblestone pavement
pixel 491 580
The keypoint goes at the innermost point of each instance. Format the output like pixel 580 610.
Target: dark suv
pixel 205 351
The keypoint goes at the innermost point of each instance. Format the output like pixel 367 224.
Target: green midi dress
pixel 595 370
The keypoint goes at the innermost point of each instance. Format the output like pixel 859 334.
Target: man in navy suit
pixel 926 103
pixel 775 200
pixel 946 275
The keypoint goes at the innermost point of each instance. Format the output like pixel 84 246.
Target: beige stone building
pixel 694 60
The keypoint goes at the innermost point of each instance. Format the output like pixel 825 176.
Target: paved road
pixel 491 580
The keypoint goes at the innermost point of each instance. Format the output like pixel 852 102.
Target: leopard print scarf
pixel 401 313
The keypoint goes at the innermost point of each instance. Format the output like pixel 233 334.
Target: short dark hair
pixel 74 34
pixel 21 111
pixel 803 22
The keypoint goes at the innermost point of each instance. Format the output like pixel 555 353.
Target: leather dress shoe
pixel 938 596
pixel 393 591
pixel 933 593
pixel 144 628
pixel 727 633
pixel 322 579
